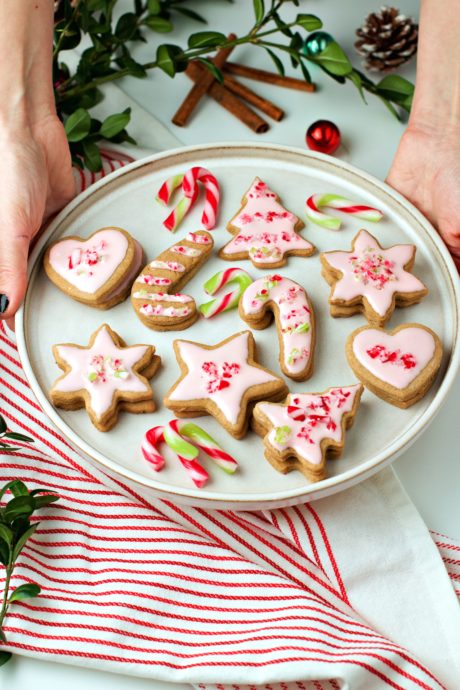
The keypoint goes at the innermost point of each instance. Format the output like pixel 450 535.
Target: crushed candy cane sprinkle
pixel 101 368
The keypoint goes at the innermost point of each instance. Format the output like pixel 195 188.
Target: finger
pixel 13 271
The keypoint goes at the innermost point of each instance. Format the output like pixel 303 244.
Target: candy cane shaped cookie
pixel 318 201
pixel 231 299
pixel 294 318
pixel 212 193
pixel 156 296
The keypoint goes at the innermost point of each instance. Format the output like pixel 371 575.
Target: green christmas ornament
pixel 316 43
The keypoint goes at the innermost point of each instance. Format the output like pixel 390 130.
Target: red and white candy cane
pixel 149 447
pixel 230 300
pixel 340 203
pixel 183 206
pixel 212 193
pixel 206 443
pixel 186 453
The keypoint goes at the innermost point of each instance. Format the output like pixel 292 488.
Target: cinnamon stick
pixel 201 87
pixel 228 101
pixel 267 77
pixel 253 98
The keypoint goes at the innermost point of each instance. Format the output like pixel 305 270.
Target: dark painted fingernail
pixel 4 302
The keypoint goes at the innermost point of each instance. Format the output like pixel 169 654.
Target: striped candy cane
pixel 212 197
pixel 168 188
pixel 318 201
pixel 230 276
pixel 186 453
pixel 149 447
pixel 183 206
pixel 206 443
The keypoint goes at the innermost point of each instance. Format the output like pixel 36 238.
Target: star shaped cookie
pixel 222 380
pixel 371 279
pixel 105 376
pixel 302 431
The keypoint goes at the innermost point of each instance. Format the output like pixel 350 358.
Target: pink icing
pixel 162 296
pixel 266 228
pixel 153 280
pixel 230 357
pixel 198 239
pixel 395 359
pixel 375 273
pixel 308 419
pixel 160 310
pixel 89 265
pixel 168 265
pixel 294 318
pixel 185 251
pixel 102 356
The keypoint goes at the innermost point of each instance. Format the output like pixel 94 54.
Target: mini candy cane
pixel 231 276
pixel 179 212
pixel 317 201
pixel 168 188
pixel 206 443
pixel 186 453
pixel 211 204
pixel 149 447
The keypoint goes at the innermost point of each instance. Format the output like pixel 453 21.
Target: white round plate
pixel 126 199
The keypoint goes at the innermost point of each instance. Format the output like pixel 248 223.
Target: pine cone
pixel 387 39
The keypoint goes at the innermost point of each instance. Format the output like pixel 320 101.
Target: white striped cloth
pixel 225 600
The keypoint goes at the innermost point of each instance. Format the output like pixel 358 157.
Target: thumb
pixel 13 270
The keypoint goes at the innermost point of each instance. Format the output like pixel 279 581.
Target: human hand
pixel 36 181
pixel 426 170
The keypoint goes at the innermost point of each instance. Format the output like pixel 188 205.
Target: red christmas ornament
pixel 323 136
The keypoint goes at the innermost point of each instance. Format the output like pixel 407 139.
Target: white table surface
pixel 430 469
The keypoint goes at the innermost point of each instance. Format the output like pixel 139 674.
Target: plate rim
pixel 195 496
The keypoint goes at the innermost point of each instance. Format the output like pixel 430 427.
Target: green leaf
pixel 204 39
pixel 281 25
pixel 153 6
pixel 92 156
pixel 259 10
pixel 278 64
pixel 305 72
pixel 333 60
pixel 113 124
pixel 135 68
pixel 309 22
pixel 6 533
pixel 395 88
pixel 27 591
pixel 19 437
pixel 3 426
pixel 95 5
pixel 43 501
pixel 355 77
pixel 126 26
pixel 77 125
pixel 22 506
pixel 4 657
pixel 168 59
pixel 4 552
pixel 191 14
pixel 215 71
pixel 16 487
pixel 10 449
pixel 390 107
pixel 158 24
pixel 22 540
pixel 2 637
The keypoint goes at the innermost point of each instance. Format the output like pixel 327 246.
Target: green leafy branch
pixel 109 58
pixel 15 530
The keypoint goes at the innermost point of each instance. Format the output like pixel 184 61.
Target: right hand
pixel 36 181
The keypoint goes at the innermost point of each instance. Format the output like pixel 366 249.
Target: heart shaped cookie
pixel 400 365
pixel 98 271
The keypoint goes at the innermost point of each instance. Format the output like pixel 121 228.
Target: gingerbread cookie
pixel 264 231
pixel 222 380
pixel 308 427
pixel 371 279
pixel 399 365
pixel 295 322
pixel 155 294
pixel 105 376
pixel 98 271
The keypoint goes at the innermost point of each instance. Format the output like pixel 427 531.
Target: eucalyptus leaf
pixel 77 125
pixel 27 591
pixel 209 39
pixel 113 124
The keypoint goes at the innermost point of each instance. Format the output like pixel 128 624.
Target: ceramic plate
pixel 126 199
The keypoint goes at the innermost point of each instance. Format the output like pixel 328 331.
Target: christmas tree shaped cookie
pixel 264 231
pixel 302 431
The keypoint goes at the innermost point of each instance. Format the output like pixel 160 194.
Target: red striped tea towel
pixel 347 592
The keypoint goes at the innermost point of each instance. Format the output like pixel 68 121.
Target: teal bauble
pixel 316 43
